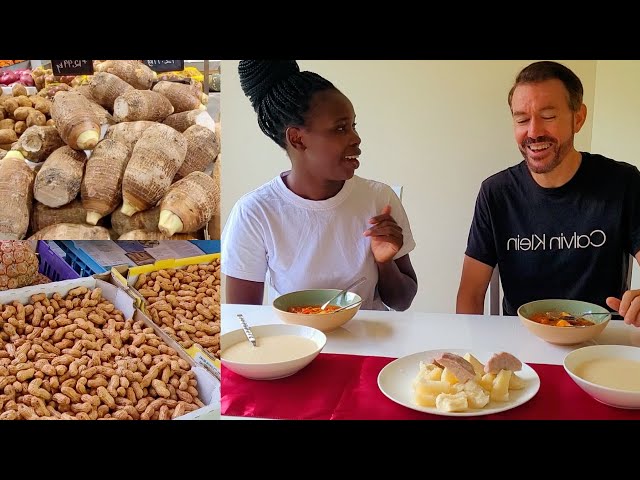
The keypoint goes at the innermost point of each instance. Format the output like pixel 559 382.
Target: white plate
pixel 395 380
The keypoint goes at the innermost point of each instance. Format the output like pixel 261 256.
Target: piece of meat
pixel 434 361
pixel 461 368
pixel 502 361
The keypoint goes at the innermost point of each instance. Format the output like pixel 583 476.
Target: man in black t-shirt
pixel 562 223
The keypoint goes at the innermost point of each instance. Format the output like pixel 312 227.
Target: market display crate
pixel 207 246
pixel 127 278
pixel 79 260
pixel 52 266
pixel 208 386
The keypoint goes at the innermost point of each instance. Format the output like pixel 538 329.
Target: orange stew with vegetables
pixel 560 319
pixel 313 309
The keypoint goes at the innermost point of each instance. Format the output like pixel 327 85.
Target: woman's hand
pixel 386 236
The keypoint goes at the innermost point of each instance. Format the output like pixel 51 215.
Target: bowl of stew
pixel 302 307
pixel 563 321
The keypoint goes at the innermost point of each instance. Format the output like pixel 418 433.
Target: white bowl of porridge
pixel 609 373
pixel 281 350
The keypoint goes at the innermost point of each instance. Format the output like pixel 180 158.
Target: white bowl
pixel 609 396
pixel 271 371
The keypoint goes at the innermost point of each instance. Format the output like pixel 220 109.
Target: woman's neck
pixel 311 188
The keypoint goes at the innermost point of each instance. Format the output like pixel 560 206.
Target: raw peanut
pixel 96 319
pixel 122 415
pixel 40 297
pixel 77 314
pixel 71 382
pixel 184 396
pixel 204 311
pixel 142 404
pixel 92 399
pixel 24 375
pixel 26 412
pixel 102 411
pixel 48 347
pixel 131 395
pixel 166 374
pixel 164 413
pixel 121 401
pixel 35 390
pixel 61 398
pixel 71 394
pixel 114 383
pixel 54 413
pixel 81 385
pixel 9 415
pixel 147 360
pixel 35 332
pixel 90 372
pixel 81 408
pixel 193 391
pixel 131 410
pixel 98 382
pixel 137 388
pixel 106 397
pixel 77 292
pixel 161 388
pixel 10 391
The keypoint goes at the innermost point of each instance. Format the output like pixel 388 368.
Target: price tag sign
pixel 72 67
pixel 165 65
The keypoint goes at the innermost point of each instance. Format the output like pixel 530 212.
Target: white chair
pixel 398 190
pixel 495 297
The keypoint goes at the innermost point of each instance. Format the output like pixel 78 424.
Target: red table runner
pixel 345 387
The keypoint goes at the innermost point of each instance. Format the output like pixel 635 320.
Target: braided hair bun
pixel 279 93
pixel 258 77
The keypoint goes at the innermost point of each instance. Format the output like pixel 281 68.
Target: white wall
pixel 616 124
pixel 436 127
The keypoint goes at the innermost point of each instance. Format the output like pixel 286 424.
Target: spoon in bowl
pixel 341 292
pixel 247 330
pixel 347 306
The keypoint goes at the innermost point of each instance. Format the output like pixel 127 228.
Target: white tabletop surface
pixel 396 334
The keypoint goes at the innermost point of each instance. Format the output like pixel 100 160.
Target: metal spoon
pixel 569 316
pixel 347 306
pixel 354 284
pixel 247 331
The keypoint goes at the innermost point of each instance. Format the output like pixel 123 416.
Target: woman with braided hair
pixel 317 225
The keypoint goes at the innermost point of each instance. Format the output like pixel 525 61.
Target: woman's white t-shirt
pixel 290 243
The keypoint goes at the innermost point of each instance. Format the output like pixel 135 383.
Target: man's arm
pixel 473 286
pixel 243 292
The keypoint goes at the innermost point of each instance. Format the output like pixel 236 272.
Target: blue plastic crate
pixel 79 260
pixel 52 266
pixel 207 246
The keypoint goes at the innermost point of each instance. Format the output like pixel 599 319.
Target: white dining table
pixel 397 334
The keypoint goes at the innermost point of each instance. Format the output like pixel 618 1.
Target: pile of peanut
pixel 185 303
pixel 77 357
